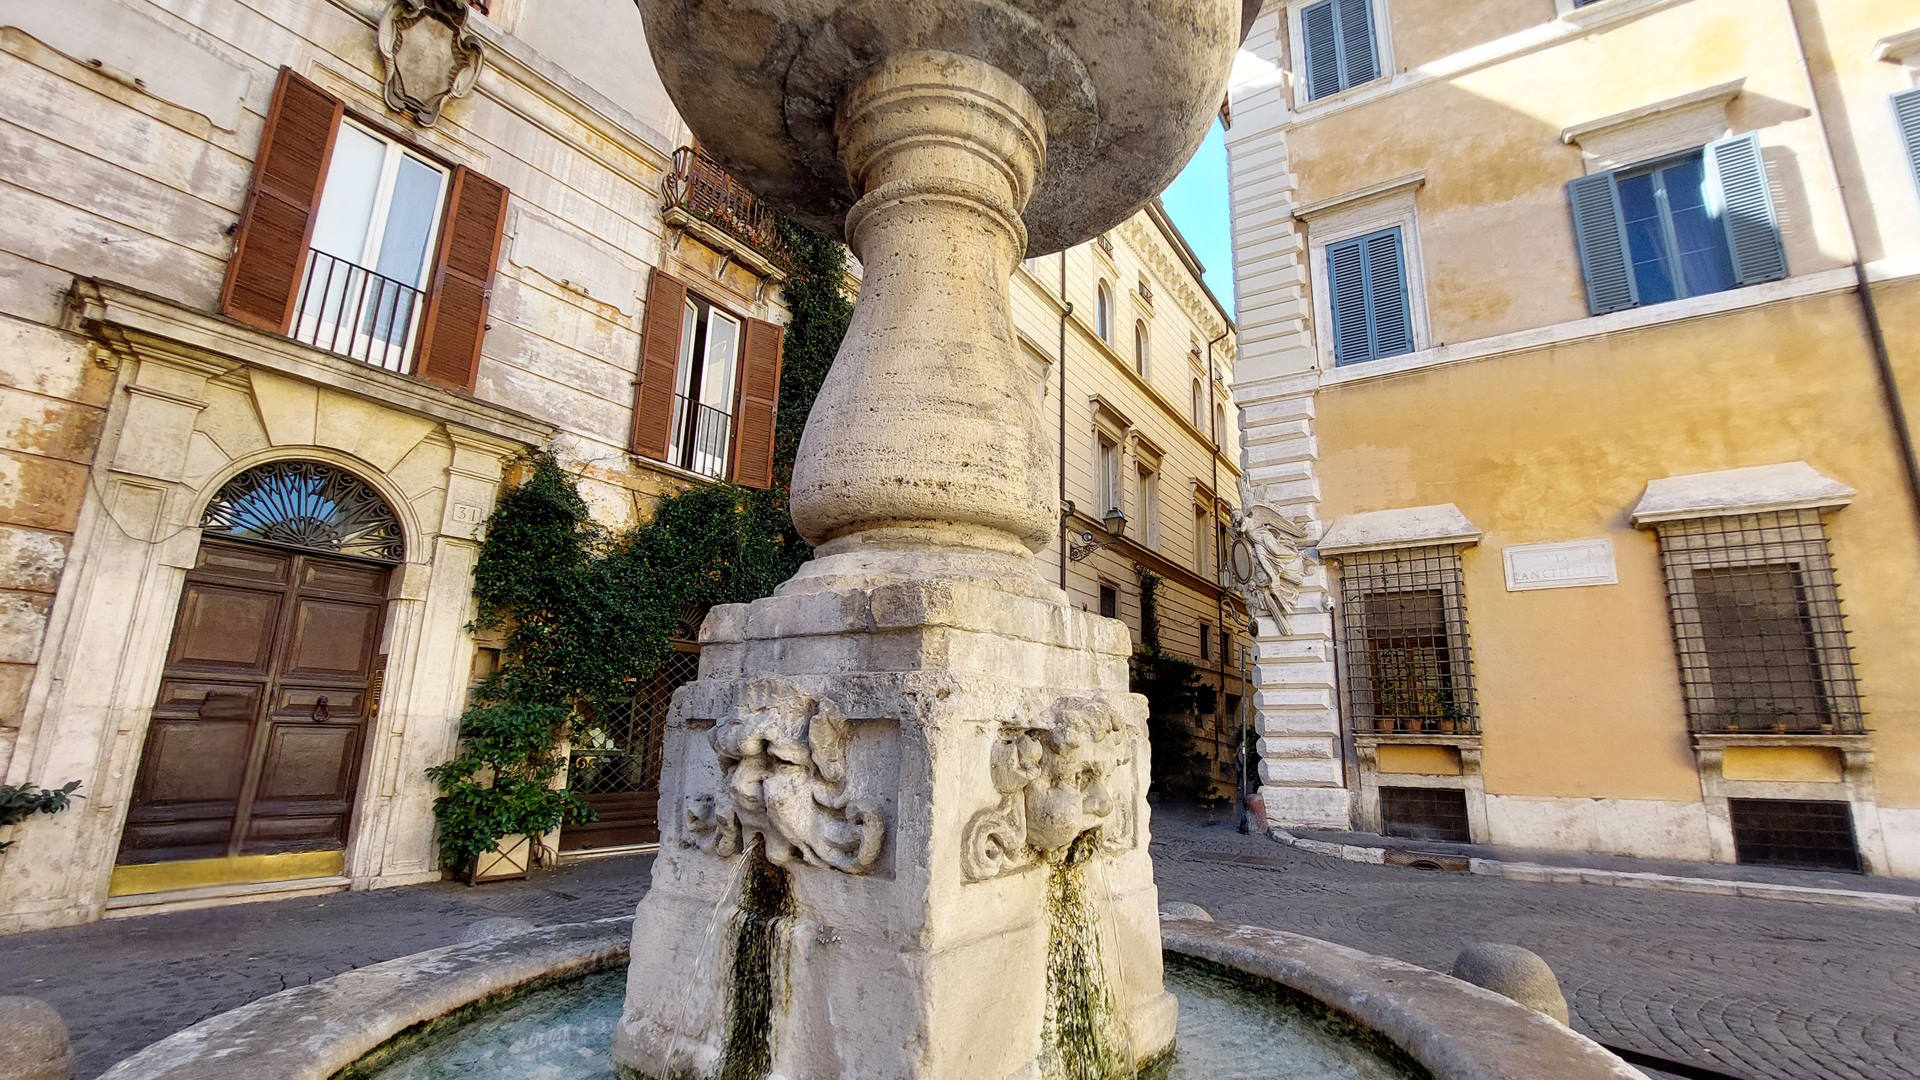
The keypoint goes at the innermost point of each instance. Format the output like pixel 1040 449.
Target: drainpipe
pixel 1220 594
pixel 1060 365
pixel 1869 310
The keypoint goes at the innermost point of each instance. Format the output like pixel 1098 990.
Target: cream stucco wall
pixel 1542 423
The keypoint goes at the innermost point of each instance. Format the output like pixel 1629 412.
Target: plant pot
pixel 510 860
pixel 1779 729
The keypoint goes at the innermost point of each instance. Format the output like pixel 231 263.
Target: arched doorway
pixel 253 754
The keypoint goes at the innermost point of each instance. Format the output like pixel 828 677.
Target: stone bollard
pixel 33 1041
pixel 1175 909
pixel 1514 972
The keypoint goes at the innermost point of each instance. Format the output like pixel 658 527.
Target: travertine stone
pixel 917 727
pixel 33 1041
pixel 1513 972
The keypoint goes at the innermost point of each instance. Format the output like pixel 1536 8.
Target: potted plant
pixel 498 795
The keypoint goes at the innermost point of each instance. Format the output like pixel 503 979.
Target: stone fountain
pixel 904 818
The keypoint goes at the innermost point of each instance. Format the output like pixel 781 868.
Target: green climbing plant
pixel 18 802
pixel 588 614
pixel 1174 693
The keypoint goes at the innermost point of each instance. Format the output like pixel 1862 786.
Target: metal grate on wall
pixel 617 745
pixel 1758 626
pixel 1405 658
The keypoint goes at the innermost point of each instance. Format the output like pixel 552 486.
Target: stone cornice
pixel 137 325
pixel 1177 279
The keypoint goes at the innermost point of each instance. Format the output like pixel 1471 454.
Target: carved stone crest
pixel 1276 561
pixel 783 776
pixel 432 56
pixel 1056 783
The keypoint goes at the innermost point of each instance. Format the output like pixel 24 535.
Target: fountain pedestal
pixel 903 813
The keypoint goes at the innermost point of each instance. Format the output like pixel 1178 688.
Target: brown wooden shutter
pixel 276 224
pixel 759 398
pixel 462 281
pixel 659 365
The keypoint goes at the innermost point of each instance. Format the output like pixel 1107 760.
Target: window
pixel 1103 312
pixel 1147 505
pixel 362 246
pixel 1906 112
pixel 1758 625
pixel 1691 225
pixel 1109 601
pixel 1405 658
pixel 1109 476
pixel 1202 528
pixel 709 386
pixel 1140 349
pixel 1421 813
pixel 372 243
pixel 703 393
pixel 1219 424
pixel 1206 641
pixel 1340 49
pixel 1805 834
pixel 1226 646
pixel 1199 404
pixel 1372 317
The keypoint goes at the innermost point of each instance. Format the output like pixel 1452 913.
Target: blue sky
pixel 1197 203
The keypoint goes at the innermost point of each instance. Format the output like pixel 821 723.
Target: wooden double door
pixel 255 743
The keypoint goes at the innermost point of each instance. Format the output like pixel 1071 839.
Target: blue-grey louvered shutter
pixel 1906 111
pixel 1387 294
pixel 1347 270
pixel 1323 50
pixel 1360 60
pixel 1600 230
pixel 1737 191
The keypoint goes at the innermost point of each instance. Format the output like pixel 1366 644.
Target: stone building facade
pixel 285 287
pixel 1578 334
pixel 1146 426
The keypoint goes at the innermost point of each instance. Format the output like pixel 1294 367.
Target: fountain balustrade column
pixel 903 812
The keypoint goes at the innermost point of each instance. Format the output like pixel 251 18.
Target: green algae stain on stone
pixel 1084 1038
pixel 766 903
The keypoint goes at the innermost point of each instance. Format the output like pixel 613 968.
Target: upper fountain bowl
pixel 1127 87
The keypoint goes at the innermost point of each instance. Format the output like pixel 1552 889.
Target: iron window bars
pixel 1405 657
pixel 1758 626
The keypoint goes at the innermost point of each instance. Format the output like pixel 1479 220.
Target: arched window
pixel 1103 313
pixel 1199 405
pixel 1140 348
pixel 1220 424
pixel 310 505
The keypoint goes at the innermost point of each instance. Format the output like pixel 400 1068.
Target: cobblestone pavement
pixel 1752 989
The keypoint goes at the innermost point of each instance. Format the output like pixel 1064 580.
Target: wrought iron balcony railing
pixel 702 188
pixel 353 312
pixel 702 436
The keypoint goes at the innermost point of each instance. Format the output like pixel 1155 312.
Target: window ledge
pixel 1721 95
pixel 1388 530
pixel 1837 740
pixel 1751 296
pixel 1605 11
pixel 1898 48
pixel 1423 738
pixel 1761 489
pixel 1411 182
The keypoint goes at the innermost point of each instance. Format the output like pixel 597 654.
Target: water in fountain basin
pixel 1228 1031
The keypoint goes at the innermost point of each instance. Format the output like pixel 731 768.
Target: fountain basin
pixel 1386 1019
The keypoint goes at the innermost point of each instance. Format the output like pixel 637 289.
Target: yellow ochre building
pixel 1578 334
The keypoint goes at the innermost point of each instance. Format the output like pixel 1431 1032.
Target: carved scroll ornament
pixel 432 56
pixel 1276 545
pixel 783 776
pixel 1056 783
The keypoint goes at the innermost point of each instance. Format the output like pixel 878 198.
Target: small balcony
pixel 351 311
pixel 702 436
pixel 700 196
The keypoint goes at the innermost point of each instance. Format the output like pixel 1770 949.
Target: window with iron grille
pixel 1758 626
pixel 1405 659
